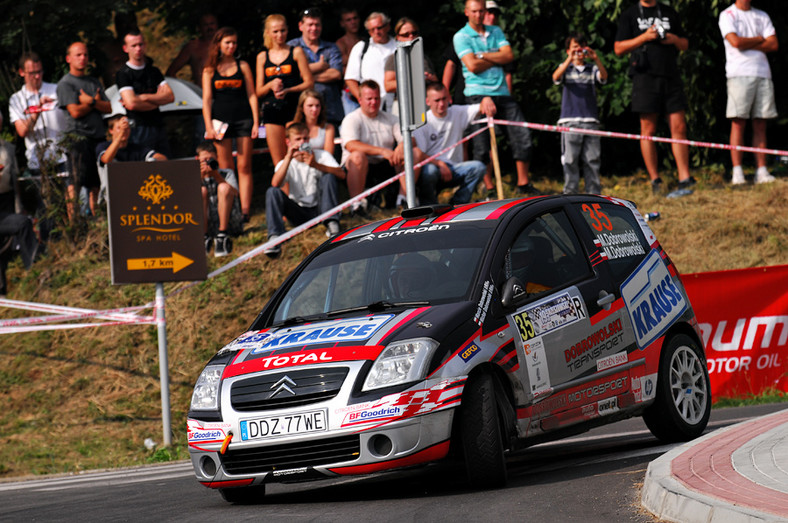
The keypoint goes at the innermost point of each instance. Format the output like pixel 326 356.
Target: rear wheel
pixel 683 398
pixel 243 495
pixel 481 434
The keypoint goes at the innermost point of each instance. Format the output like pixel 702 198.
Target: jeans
pixel 278 204
pixel 465 174
pixel 577 149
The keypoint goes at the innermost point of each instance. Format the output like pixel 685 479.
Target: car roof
pixel 444 214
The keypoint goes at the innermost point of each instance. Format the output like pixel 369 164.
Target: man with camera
pixel 652 35
pixel 221 205
pixel 304 185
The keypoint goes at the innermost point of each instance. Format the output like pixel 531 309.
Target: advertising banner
pixel 743 316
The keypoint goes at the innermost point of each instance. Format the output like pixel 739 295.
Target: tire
pixel 243 495
pixel 481 435
pixel 682 406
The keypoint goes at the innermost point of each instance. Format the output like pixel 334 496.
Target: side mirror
pixel 513 292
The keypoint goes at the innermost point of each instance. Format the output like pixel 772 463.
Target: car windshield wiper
pixel 295 320
pixel 379 306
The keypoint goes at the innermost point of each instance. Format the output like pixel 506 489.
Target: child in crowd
pixel 222 207
pixel 579 110
pixel 304 186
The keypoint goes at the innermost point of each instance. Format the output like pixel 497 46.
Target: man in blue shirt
pixel 325 63
pixel 483 51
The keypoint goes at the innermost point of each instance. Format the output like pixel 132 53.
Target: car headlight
pixel 400 362
pixel 206 391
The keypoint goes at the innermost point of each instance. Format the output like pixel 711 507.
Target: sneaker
pixel 223 244
pixel 689 182
pixel 273 251
pixel 359 208
pixel 737 176
pixel 528 189
pixel 656 186
pixel 208 243
pixel 763 176
pixel 332 228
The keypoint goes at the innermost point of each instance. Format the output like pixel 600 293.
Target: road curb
pixel 669 499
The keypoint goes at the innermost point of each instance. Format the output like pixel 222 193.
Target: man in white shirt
pixel 748 35
pixel 372 147
pixel 304 185
pixel 368 57
pixel 37 118
pixel 445 126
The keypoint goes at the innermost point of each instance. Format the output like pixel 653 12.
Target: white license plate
pixel 289 425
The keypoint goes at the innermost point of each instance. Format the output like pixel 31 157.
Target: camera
pixel 305 147
pixel 213 164
pixel 661 31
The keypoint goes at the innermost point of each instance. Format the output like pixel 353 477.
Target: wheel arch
pixel 504 395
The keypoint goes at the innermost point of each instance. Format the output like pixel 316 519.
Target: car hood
pixel 342 339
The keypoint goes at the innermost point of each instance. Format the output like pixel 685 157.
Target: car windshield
pixel 385 270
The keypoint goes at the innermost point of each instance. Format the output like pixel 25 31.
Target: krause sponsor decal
pixel 653 301
pixel 356 329
pixel 591 348
pixel 548 315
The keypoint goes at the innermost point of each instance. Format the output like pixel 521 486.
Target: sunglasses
pixel 409 35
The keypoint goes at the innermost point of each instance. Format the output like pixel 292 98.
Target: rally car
pixel 453 332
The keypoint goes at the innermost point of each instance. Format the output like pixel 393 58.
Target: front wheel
pixel 481 434
pixel 683 399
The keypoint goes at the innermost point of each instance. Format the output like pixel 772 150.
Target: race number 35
pixel 599 220
pixel 524 326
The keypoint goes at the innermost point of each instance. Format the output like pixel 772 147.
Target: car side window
pixel 617 237
pixel 546 254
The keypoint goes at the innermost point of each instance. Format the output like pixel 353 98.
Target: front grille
pixel 287 389
pixel 258 460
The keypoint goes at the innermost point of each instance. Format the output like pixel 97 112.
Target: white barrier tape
pixel 68 313
pixel 629 136
pixel 32 328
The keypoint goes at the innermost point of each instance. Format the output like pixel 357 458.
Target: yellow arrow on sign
pixel 176 263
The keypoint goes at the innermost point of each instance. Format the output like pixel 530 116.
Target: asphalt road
pixel 592 477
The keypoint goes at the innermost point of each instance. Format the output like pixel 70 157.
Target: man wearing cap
pixel 484 50
pixel 325 63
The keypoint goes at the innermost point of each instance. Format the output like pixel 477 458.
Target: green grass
pixel 769 396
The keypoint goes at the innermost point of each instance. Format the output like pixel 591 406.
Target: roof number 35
pixel 599 220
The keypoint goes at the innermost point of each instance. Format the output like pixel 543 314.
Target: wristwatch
pixel 480 56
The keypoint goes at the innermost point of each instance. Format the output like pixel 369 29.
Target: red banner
pixel 743 316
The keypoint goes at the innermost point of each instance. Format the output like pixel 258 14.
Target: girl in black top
pixel 229 108
pixel 282 73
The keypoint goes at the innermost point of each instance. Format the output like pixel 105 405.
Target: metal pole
pixel 164 373
pixel 403 96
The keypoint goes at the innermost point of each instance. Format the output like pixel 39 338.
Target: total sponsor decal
pixel 548 315
pixel 583 395
pixel 354 330
pixel 743 337
pixel 652 299
pixel 591 348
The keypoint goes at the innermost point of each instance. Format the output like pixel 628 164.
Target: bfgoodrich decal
pixel 652 299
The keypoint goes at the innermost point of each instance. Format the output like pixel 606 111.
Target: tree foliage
pixel 536 29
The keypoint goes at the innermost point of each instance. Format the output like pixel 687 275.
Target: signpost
pixel 156 228
pixel 412 98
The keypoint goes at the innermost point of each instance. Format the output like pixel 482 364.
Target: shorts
pixel 82 158
pixel 750 97
pixel 278 112
pixel 519 137
pixel 657 94
pixel 239 129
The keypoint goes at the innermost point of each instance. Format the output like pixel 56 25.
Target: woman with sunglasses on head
pixel 405 30
pixel 229 108
pixel 282 73
pixel 311 111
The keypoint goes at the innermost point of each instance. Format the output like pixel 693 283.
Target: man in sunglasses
pixel 325 63
pixel 368 56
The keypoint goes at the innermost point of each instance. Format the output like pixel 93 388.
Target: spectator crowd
pixel 303 92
